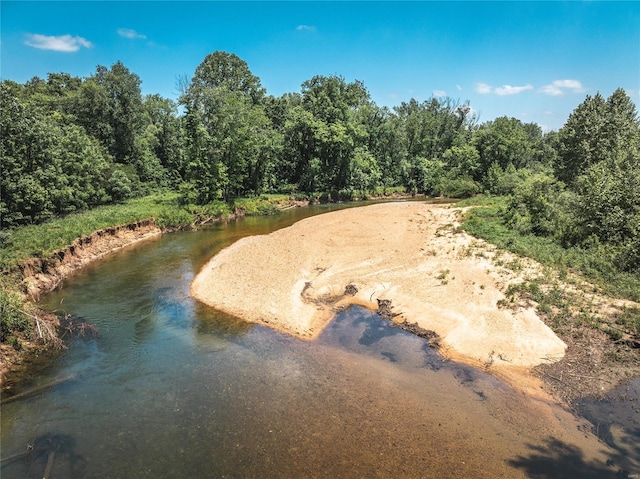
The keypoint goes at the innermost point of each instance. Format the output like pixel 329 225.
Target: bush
pixel 174 218
pixel 256 206
pixel 595 260
pixel 534 207
pixel 460 187
pixel 504 182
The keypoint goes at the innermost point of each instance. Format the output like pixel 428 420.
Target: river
pixel 172 389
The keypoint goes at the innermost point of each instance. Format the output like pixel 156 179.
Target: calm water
pixel 173 389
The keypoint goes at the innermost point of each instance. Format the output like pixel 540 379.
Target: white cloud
pixel 439 93
pixel 560 87
pixel 306 28
pixel 503 90
pixel 512 90
pixel 129 33
pixel 483 88
pixel 458 87
pixel 61 43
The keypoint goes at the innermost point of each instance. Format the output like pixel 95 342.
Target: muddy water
pixel 173 389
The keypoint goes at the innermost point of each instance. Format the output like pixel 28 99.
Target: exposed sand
pixel 410 253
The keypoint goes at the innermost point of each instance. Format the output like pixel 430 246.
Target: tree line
pixel 69 143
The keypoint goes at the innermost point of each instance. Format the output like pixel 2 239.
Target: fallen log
pixel 37 389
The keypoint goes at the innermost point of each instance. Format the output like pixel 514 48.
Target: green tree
pixel 433 126
pixel 229 151
pixel 364 171
pixel 225 71
pixel 164 130
pixel 462 160
pixel 580 139
pixel 622 124
pixel 503 141
pixel 123 112
pixel 299 164
pixel 333 105
pixel 597 130
pixel 384 141
pixel 49 167
pixel 609 198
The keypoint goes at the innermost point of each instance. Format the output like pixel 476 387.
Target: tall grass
pixel 13 320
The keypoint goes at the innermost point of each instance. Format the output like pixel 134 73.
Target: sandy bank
pixel 409 253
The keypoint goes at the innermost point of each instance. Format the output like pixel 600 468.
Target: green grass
pixel 20 244
pixel 630 318
pixel 41 240
pixel 596 266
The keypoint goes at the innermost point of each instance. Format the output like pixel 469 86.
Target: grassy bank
pixel 589 271
pixel 18 315
pixel 42 240
pixel 594 265
pixel 580 295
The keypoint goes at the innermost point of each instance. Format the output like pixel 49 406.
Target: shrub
pixel 533 207
pixel 174 218
pixel 460 187
pixel 256 206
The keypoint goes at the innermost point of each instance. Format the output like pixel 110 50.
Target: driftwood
pixel 37 389
pixel 14 457
pixel 49 468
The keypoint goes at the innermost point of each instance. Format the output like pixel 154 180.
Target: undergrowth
pixel 259 206
pixel 594 265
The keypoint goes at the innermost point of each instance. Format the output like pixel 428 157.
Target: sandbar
pixel 410 253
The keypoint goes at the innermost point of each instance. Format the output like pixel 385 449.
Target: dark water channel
pixel 173 389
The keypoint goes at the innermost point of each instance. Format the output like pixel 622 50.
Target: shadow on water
pixel 48 455
pixel 362 331
pixel 556 459
pixel 213 322
pixel 616 421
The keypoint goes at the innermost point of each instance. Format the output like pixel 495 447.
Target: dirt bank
pixel 41 275
pixel 408 257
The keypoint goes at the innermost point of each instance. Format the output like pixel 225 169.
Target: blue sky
pixel 535 61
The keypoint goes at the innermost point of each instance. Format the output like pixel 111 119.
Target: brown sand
pixel 410 253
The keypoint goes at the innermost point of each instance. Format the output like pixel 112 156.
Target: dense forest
pixel 69 144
